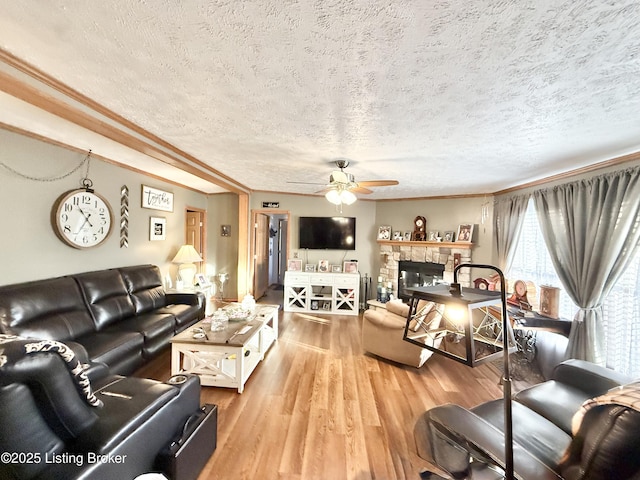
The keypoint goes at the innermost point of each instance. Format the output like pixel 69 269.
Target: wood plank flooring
pixel 318 407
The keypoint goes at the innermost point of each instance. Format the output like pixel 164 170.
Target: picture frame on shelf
pixel 407 236
pixel 157 228
pixel 350 266
pixel 294 265
pixel 384 232
pixel 465 233
pixel 310 267
pixel 323 266
pixel 397 236
pixel 336 268
pixel 433 236
pixel 449 236
pixel 202 280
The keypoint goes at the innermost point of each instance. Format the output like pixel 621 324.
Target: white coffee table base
pixel 223 365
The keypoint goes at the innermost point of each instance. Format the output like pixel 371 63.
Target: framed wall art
pixel 157 228
pixel 156 199
pixel 336 269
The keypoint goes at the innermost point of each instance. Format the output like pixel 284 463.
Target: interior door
pixel 194 232
pixel 261 256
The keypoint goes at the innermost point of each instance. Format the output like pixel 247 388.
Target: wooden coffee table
pixel 226 358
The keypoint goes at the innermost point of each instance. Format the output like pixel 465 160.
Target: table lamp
pixel 186 258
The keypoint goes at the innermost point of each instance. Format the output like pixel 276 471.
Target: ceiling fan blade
pixel 324 190
pixel 360 189
pixel 378 183
pixel 309 183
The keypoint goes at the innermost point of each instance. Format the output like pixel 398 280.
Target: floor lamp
pixel 455 294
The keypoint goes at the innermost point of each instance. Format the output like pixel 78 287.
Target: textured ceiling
pixel 448 97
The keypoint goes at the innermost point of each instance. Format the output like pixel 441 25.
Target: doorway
pixel 269 242
pixel 195 232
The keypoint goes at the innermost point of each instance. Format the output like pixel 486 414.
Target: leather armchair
pixel 606 444
pixel 382 332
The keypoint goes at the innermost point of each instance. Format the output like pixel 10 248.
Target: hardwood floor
pixel 318 407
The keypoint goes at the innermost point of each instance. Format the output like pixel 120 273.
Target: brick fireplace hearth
pixel 392 253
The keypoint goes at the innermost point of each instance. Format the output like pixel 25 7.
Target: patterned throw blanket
pixel 13 348
pixel 625 395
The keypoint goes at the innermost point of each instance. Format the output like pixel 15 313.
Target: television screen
pixel 329 233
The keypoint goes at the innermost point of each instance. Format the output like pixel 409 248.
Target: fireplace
pixel 417 274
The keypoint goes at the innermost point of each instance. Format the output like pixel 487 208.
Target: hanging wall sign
pixel 270 204
pixel 156 199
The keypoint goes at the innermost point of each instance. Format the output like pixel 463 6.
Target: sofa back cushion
pixel 144 284
pixel 106 295
pixel 50 309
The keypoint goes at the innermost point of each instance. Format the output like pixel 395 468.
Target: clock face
pixel 82 219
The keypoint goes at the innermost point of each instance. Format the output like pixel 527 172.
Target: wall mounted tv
pixel 327 233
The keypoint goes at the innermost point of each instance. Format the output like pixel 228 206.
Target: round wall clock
pixel 81 218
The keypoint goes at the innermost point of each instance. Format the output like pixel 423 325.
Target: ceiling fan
pixel 342 186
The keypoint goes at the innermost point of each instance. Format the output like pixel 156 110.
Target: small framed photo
pixel 465 232
pixel 225 230
pixel 433 236
pixel 336 269
pixel 326 306
pixel 350 266
pixel 314 304
pixel 202 280
pixel 310 267
pixel 323 266
pixel 397 235
pixel 294 265
pixel 157 228
pixel 384 232
pixel 407 236
pixel 449 236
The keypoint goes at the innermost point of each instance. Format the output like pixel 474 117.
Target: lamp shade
pixel 187 254
pixel 333 196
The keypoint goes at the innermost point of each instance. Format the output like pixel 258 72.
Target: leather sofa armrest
pixel 196 298
pixel 450 435
pixel 588 377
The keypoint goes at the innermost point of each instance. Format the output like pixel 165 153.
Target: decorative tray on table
pixel 236 313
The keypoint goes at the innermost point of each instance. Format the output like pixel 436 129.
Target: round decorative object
pixel 81 218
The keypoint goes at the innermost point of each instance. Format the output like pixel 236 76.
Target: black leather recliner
pixel 48 429
pixel 470 443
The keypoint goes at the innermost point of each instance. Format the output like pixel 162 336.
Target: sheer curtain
pixel 592 232
pixel 508 217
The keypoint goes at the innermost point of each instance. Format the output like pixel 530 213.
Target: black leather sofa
pixel 115 319
pixel 50 431
pixel 605 445
pixel 103 325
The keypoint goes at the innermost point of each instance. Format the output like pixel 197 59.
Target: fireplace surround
pixel 448 256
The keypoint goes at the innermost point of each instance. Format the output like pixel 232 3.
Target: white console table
pixel 322 292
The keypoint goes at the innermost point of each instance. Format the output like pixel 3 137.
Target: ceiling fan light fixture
pixel 347 197
pixel 333 196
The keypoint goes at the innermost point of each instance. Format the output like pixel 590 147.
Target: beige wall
pixel 222 252
pixel 445 215
pixel 318 206
pixel 29 248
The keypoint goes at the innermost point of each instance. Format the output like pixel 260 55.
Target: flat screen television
pixel 327 233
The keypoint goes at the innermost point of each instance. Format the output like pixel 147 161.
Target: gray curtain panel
pixel 592 231
pixel 508 216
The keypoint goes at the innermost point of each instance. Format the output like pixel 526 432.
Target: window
pixel 621 308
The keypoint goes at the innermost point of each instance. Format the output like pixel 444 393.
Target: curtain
pixel 592 232
pixel 508 215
